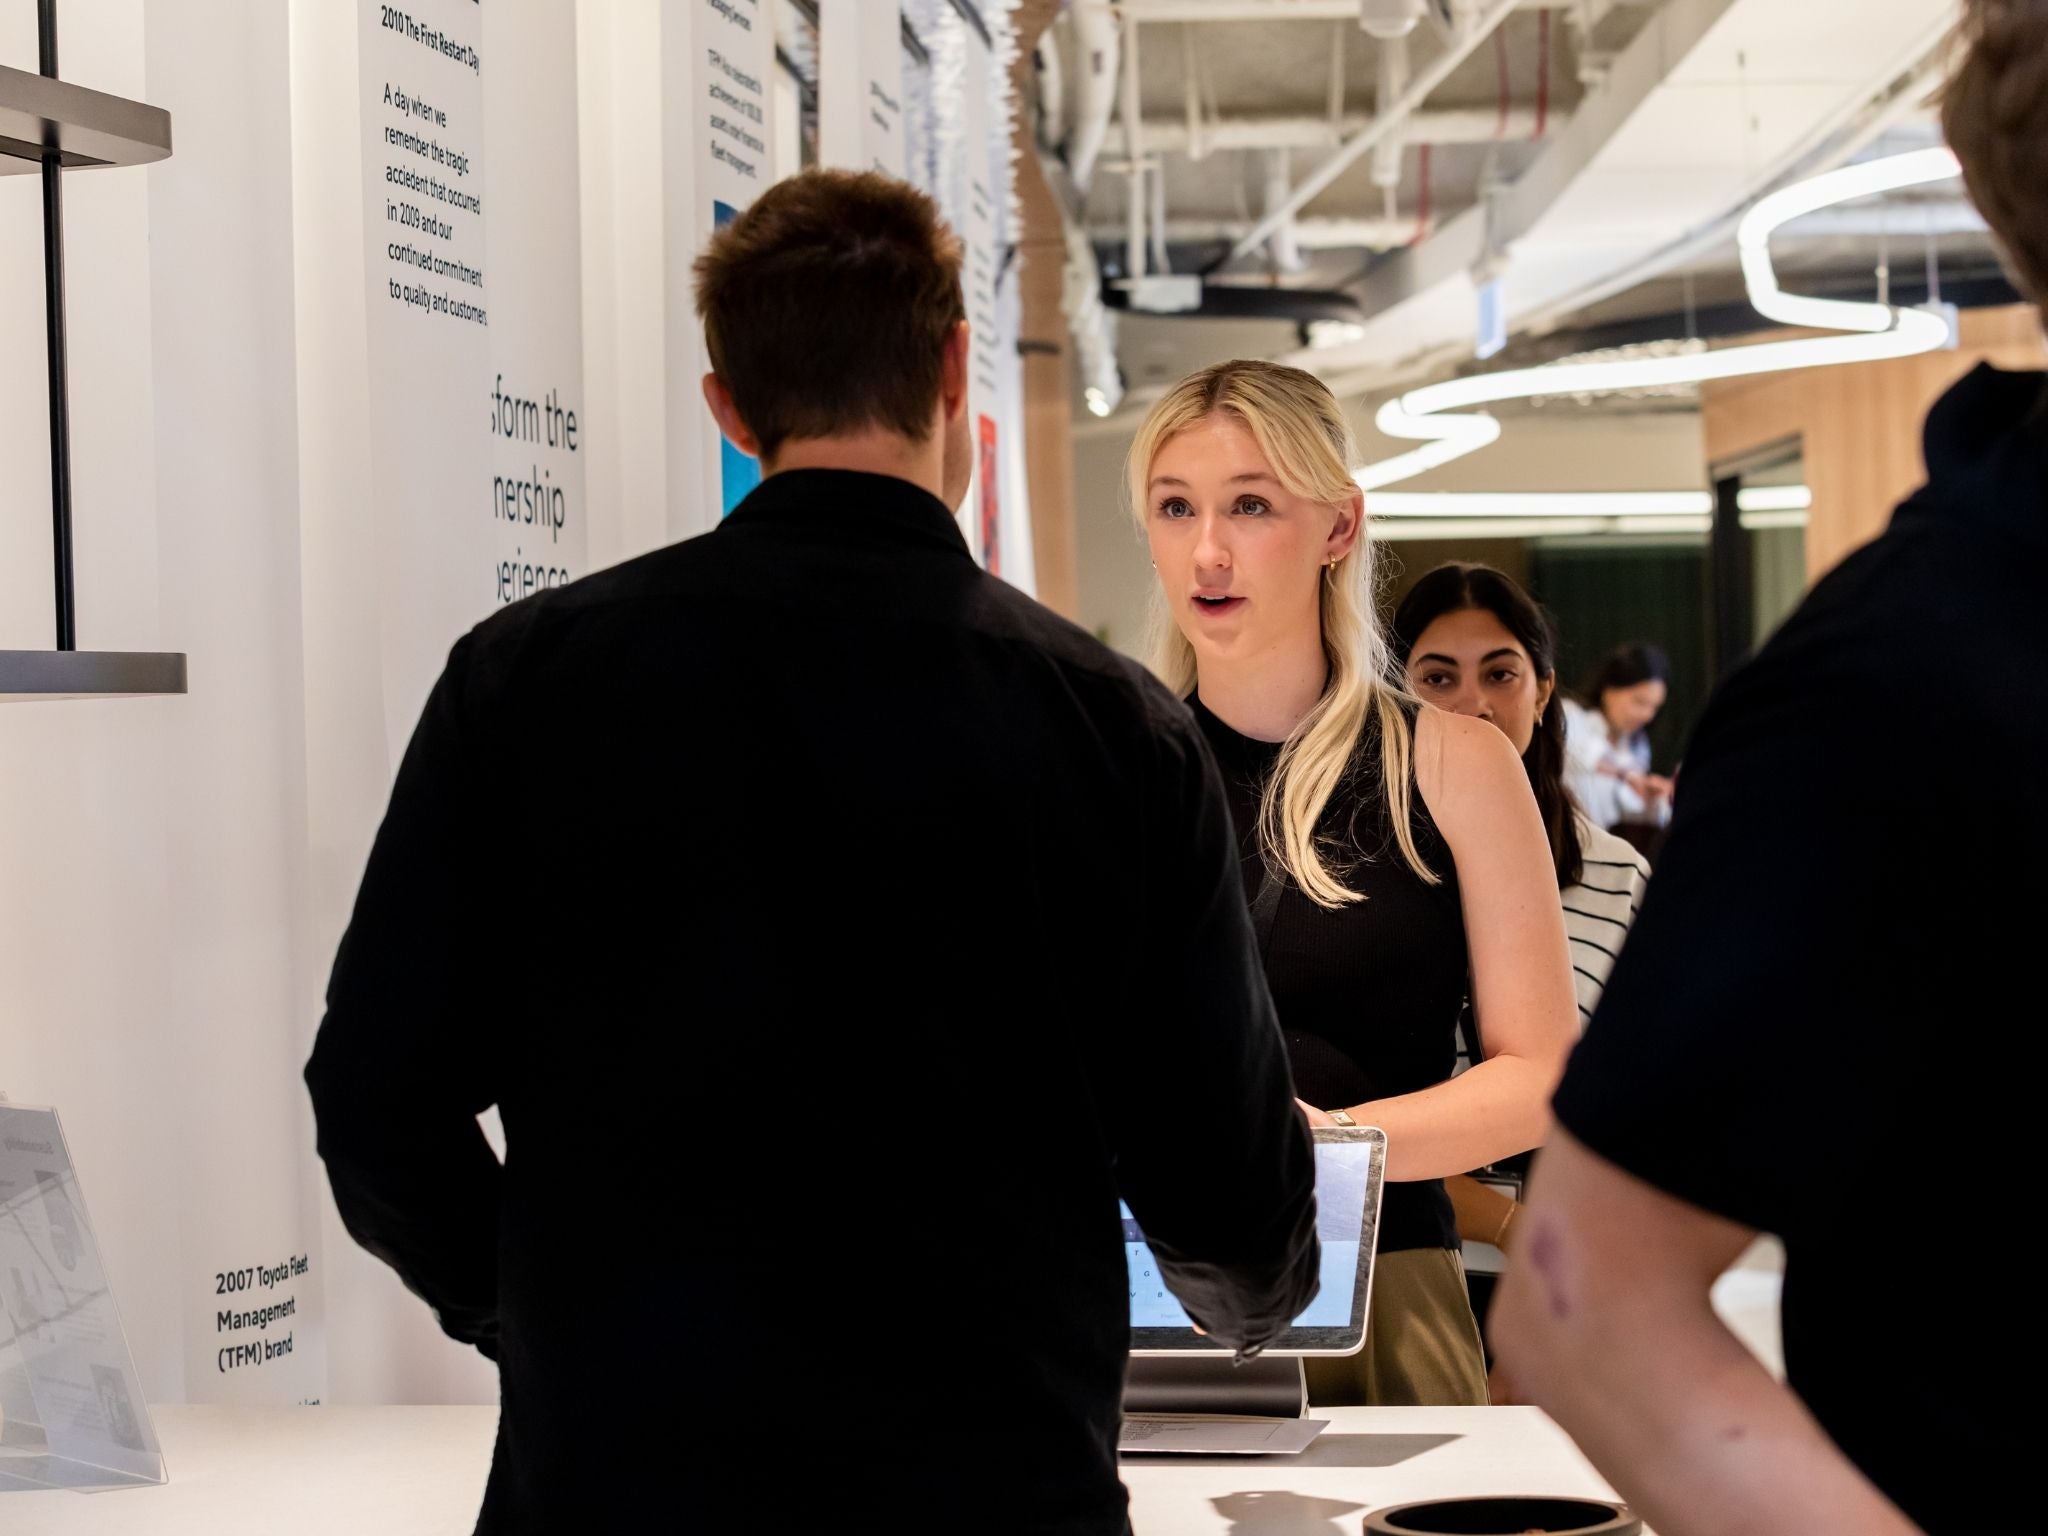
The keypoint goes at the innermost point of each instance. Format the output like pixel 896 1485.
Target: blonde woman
pixel 1393 854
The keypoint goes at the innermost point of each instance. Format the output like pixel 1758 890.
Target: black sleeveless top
pixel 1369 994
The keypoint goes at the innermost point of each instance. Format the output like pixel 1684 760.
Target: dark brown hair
pixel 1995 113
pixel 1458 588
pixel 827 304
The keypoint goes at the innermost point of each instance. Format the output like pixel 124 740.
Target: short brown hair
pixel 1996 115
pixel 827 304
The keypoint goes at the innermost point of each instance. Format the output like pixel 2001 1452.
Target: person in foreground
pixel 1393 853
pixel 840 934
pixel 1815 1054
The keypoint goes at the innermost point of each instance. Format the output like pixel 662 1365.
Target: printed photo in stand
pixel 72 1412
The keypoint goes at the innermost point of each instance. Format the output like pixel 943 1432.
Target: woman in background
pixel 1607 745
pixel 1392 853
pixel 1474 643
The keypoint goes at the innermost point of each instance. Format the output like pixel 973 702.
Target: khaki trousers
pixel 1422 1344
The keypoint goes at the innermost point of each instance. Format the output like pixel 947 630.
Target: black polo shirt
pixel 1812 1029
pixel 840 933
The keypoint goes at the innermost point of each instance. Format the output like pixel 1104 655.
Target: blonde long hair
pixel 1302 432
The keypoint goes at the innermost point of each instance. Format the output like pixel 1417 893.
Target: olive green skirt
pixel 1422 1344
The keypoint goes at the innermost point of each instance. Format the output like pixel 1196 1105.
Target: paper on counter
pixel 1215 1434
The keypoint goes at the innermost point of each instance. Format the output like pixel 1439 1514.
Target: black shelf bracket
pixel 51 127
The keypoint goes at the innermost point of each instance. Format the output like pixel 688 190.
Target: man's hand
pixel 1315 1117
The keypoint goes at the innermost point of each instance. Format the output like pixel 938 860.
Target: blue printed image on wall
pixel 738 473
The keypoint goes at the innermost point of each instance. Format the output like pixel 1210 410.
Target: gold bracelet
pixel 1500 1235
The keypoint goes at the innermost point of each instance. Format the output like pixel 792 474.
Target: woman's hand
pixel 1316 1117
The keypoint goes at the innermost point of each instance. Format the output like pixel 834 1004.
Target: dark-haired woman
pixel 1474 643
pixel 1607 740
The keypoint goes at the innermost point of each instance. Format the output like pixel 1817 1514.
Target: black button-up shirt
pixel 1817 1024
pixel 839 933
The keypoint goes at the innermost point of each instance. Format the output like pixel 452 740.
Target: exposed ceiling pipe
pixel 1089 320
pixel 1157 223
pixel 1097 38
pixel 1440 68
pixel 1335 111
pixel 1283 249
pixel 1191 73
pixel 1452 125
pixel 1134 155
pixel 1307 234
pixel 1901 219
pixel 1092 326
pixel 1584 18
pixel 1386 156
pixel 1052 94
pixel 1389 20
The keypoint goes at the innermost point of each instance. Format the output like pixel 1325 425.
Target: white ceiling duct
pixel 1052 95
pixel 1098 44
pixel 1389 19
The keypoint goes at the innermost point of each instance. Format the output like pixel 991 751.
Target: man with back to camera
pixel 839 933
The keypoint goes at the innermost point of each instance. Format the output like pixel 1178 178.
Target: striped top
pixel 1598 910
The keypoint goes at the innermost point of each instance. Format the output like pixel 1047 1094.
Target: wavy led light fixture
pixel 1401 515
pixel 1868 332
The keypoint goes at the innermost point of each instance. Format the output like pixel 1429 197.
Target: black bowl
pixel 1510 1516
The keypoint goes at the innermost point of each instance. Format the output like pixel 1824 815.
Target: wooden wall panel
pixel 1048 362
pixel 1859 426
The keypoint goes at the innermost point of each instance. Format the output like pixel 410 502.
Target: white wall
pixel 175 873
pixel 151 889
pixel 625 294
pixel 243 987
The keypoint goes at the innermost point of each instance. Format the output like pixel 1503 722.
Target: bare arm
pixel 1605 1321
pixel 1485 1215
pixel 1479 796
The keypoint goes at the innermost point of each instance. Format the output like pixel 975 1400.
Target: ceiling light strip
pixel 1766 499
pixel 1868 333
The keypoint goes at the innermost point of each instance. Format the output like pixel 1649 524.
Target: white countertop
pixel 420 1472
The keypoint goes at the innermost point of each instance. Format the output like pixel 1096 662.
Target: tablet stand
pixel 1268 1387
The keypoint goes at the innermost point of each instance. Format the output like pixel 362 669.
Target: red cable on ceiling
pixel 1422 202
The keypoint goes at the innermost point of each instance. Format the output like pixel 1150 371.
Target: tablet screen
pixel 1349 1167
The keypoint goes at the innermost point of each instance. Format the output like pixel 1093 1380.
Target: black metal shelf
pixel 49 127
pixel 28 676
pixel 85 129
